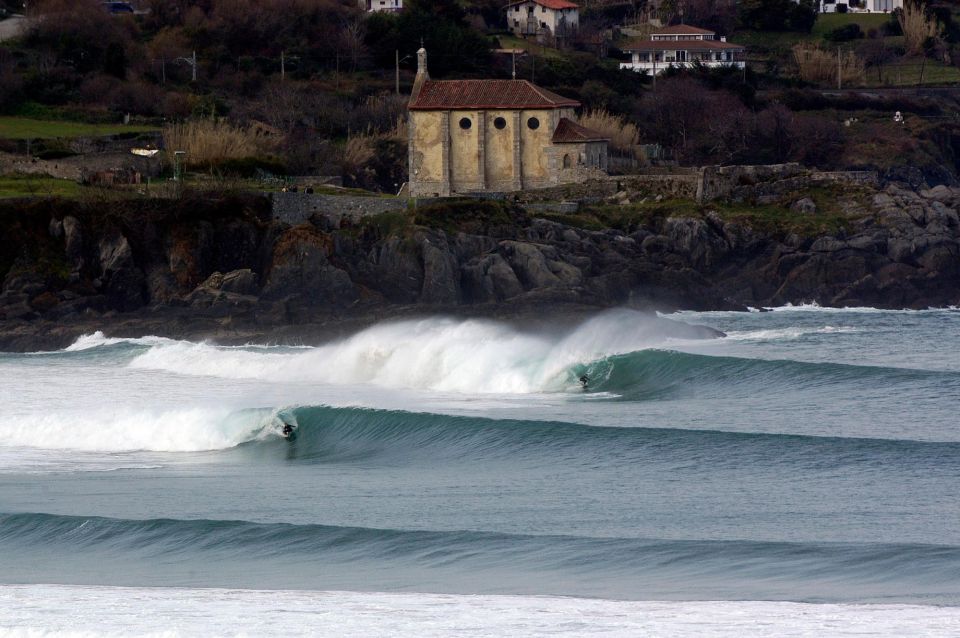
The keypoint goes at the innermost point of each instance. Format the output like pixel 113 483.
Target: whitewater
pixel 791 472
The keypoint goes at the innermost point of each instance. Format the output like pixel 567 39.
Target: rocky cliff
pixel 223 267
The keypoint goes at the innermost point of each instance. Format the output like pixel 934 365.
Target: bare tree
pixel 352 34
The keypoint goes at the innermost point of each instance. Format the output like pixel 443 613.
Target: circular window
pixel 500 123
pixel 533 123
pixel 465 123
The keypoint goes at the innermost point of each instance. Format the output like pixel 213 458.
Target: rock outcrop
pixel 901 250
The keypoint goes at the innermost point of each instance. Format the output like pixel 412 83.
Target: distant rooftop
pixel 683 29
pixel 550 4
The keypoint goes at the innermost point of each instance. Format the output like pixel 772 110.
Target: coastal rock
pixel 73 242
pixel 441 282
pixel 804 206
pixel 121 281
pixel 490 278
pixel 301 271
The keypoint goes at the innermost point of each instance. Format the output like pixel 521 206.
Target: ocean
pixel 799 476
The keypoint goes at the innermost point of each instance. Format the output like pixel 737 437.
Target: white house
pixel 682 46
pixel 861 6
pixel 382 5
pixel 543 17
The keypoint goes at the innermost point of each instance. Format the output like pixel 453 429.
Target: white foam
pixel 42 611
pixel 776 334
pixel 444 355
pixel 98 340
pixel 126 429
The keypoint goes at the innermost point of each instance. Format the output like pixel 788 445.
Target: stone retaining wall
pixel 296 208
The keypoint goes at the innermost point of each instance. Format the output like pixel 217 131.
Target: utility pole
pixel 192 61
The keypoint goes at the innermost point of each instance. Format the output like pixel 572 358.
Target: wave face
pixel 237 553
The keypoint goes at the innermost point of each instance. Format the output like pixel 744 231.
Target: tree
pixel 441 26
pixel 778 15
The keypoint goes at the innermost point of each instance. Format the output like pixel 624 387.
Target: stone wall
pixel 296 208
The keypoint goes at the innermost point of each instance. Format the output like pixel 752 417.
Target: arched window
pixel 566 161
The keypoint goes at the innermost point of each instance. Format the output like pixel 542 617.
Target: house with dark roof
pixel 544 18
pixel 682 46
pixel 475 136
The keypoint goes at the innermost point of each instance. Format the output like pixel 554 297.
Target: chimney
pixel 422 74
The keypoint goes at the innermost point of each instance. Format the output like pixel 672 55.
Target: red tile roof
pixel 550 4
pixel 569 132
pixel 682 45
pixel 682 29
pixel 437 95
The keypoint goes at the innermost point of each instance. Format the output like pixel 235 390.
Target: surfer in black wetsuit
pixel 287 430
pixel 584 381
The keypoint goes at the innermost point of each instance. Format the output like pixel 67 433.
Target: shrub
pixel 207 142
pixel 818 65
pixel 845 33
pixel 623 135
pixel 917 26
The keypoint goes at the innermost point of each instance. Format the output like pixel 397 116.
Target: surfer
pixel 584 381
pixel 288 431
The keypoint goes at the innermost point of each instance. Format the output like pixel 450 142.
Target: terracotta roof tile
pixel 486 94
pixel 569 132
pixel 550 4
pixel 681 45
pixel 682 29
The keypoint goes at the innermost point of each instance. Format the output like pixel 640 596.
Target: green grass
pixel 20 128
pixel 37 186
pixel 907 73
pixel 514 42
pixel 827 22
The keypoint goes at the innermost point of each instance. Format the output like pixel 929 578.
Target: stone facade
pixel 477 136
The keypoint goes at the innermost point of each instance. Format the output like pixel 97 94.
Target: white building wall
pixel 518 15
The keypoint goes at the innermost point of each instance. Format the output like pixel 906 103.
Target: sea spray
pixel 447 355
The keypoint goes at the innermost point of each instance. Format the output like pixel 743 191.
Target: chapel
pixel 488 136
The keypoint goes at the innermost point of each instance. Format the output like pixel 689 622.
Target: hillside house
pixel 373 6
pixel 861 6
pixel 544 18
pixel 682 46
pixel 475 136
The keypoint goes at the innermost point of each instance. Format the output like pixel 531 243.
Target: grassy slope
pixel 35 186
pixel 905 72
pixel 19 128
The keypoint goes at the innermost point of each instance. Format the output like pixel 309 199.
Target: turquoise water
pixel 810 455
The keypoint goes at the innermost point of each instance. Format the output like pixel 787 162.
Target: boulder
pixel 489 278
pixel 529 264
pixel 441 280
pixel 300 271
pixel 804 206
